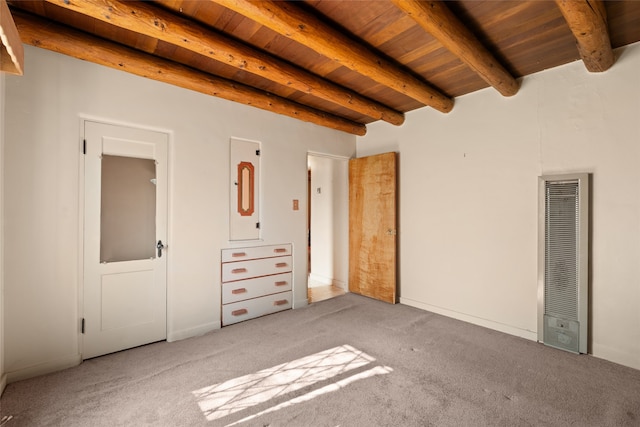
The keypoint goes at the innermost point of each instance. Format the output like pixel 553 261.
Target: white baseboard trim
pixel 320 280
pixel 193 332
pixel 44 368
pixel 342 285
pixel 497 326
pixel 614 355
pixel 3 383
pixel 326 281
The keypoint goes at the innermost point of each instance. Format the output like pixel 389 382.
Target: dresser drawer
pixel 253 288
pixel 241 254
pixel 232 271
pixel 248 309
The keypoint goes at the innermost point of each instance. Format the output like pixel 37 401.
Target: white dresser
pixel 255 281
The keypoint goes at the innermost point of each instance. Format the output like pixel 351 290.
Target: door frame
pixel 83 118
pixel 309 204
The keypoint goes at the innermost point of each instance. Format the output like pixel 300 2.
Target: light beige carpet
pixel 349 361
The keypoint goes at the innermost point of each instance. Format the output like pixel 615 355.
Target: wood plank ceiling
pixel 340 64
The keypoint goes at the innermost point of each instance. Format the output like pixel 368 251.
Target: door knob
pixel 160 247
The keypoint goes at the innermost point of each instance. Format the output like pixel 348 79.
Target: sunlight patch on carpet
pixel 240 393
pixel 378 370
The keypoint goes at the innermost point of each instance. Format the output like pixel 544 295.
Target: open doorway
pixel 328 226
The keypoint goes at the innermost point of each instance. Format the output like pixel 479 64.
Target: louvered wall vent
pixel 563 262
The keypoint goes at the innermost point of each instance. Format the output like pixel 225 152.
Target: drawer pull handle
pixel 239 291
pixel 239 312
pixel 238 270
pixel 238 254
pixel 281 283
pixel 281 264
pixel 280 302
pixel 279 250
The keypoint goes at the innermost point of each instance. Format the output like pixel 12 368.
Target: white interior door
pixel 125 224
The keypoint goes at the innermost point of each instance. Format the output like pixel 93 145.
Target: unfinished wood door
pixel 372 226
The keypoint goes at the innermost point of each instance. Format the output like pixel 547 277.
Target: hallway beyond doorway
pixel 320 292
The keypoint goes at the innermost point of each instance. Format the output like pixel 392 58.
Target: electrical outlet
pixel 296 205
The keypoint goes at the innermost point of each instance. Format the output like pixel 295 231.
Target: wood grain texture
pixel 305 28
pixel 36 32
pixel 372 226
pixel 321 293
pixel 441 23
pixel 587 20
pixel 11 50
pixel 156 23
pixel 524 36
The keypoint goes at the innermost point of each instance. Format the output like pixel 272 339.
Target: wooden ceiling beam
pixel 160 24
pixel 436 18
pixel 11 51
pixel 587 20
pixel 297 24
pixel 44 34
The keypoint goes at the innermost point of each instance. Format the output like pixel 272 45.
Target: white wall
pixel 3 377
pixel 468 212
pixel 329 220
pixel 42 171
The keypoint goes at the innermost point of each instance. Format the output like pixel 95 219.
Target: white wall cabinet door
pixel 244 212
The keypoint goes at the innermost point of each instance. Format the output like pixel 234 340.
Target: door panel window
pixel 128 214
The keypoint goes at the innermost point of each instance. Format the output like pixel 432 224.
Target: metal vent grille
pixel 561 249
pixel 563 261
